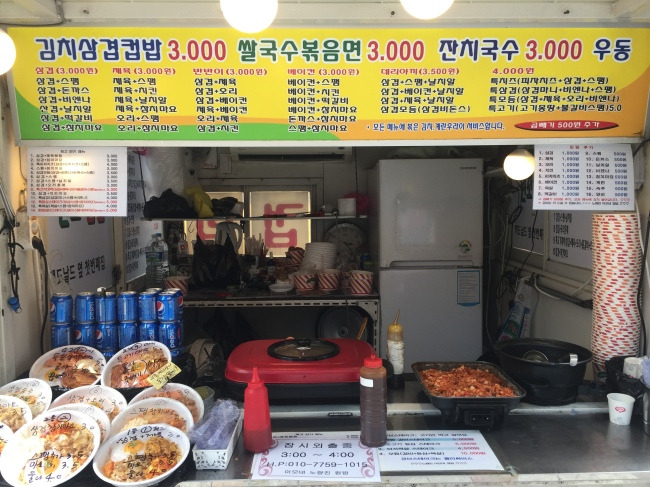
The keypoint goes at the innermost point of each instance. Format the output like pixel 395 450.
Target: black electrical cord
pixel 37 243
pixel 640 146
pixel 144 197
pixel 639 291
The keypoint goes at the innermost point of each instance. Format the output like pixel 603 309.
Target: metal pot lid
pixel 303 349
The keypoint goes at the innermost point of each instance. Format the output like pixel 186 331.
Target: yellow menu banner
pixel 203 84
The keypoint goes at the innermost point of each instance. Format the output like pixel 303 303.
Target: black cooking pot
pixel 546 383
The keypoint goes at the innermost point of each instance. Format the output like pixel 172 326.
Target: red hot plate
pixel 299 368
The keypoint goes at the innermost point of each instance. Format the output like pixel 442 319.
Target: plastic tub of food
pixel 464 405
pixel 151 411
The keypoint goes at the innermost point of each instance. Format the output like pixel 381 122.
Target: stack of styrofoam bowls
pixel 319 255
pixel 617 257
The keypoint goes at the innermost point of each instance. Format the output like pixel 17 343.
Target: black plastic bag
pixel 618 381
pixel 168 205
pixel 215 266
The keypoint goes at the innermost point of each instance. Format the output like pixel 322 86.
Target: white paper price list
pixel 584 177
pixel 77 182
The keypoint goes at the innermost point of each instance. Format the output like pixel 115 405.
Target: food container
pixel 14 412
pixel 5 436
pixel 132 442
pixel 69 367
pixel 100 417
pixel 182 393
pixel 109 400
pixel 475 412
pixel 41 454
pixel 35 392
pixel 549 383
pixel 151 411
pixel 218 459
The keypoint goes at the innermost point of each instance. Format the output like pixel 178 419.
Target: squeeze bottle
pixel 395 346
pixel 372 382
pixel 257 416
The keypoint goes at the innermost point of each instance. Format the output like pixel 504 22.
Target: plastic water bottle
pixel 157 255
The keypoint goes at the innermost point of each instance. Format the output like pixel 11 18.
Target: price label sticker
pixel 163 375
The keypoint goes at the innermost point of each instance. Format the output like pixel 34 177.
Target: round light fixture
pixel 7 52
pixel 519 164
pixel 249 16
pixel 426 9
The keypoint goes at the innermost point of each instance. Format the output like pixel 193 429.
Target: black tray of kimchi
pixel 472 411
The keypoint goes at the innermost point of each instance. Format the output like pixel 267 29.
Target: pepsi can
pixel 106 307
pixel 148 330
pixel 179 299
pixel 84 334
pixel 106 337
pixel 147 306
pixel 61 308
pixel 167 306
pixel 108 355
pixel 84 307
pixel 60 335
pixel 127 333
pixel 169 334
pixel 127 306
pixel 175 352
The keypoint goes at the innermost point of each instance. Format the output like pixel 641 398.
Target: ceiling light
pixel 249 16
pixel 426 9
pixel 519 164
pixel 7 52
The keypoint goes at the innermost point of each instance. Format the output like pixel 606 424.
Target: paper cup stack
pixel 328 279
pixel 361 282
pixel 319 255
pixel 617 258
pixel 178 282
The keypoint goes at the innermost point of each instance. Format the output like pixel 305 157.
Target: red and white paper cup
pixel 180 282
pixel 361 282
pixel 304 281
pixel 328 279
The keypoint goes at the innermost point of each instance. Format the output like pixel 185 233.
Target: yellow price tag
pixel 161 376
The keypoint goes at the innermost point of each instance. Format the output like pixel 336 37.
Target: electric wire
pixel 46 308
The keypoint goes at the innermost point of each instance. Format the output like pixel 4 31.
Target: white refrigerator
pixel 426 239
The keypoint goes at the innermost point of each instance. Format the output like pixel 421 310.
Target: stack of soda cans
pixel 127 317
pixel 169 311
pixel 84 319
pixel 61 320
pixel 106 335
pixel 148 326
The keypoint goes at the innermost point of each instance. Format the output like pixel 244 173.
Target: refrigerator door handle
pixel 430 264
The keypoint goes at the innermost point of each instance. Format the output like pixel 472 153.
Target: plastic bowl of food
pixel 129 369
pixel 5 435
pixel 100 417
pixel 182 393
pixel 151 411
pixel 69 367
pixel 50 449
pixel 14 412
pixel 35 392
pixel 107 399
pixel 160 449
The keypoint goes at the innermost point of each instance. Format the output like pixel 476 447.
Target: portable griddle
pixel 299 368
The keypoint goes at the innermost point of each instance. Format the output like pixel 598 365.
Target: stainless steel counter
pixel 538 446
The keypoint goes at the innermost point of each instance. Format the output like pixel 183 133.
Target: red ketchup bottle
pixel 257 417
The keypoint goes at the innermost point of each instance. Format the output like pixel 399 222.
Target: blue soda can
pixel 84 307
pixel 108 355
pixel 148 330
pixel 127 333
pixel 167 306
pixel 106 337
pixel 61 335
pixel 179 299
pixel 147 306
pixel 61 308
pixel 84 334
pixel 175 352
pixel 169 334
pixel 127 306
pixel 106 308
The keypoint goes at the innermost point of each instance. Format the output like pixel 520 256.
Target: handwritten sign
pixel 163 375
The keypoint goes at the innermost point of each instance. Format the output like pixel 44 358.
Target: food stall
pixel 135 99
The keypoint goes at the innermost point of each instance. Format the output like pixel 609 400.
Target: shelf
pixel 254 218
